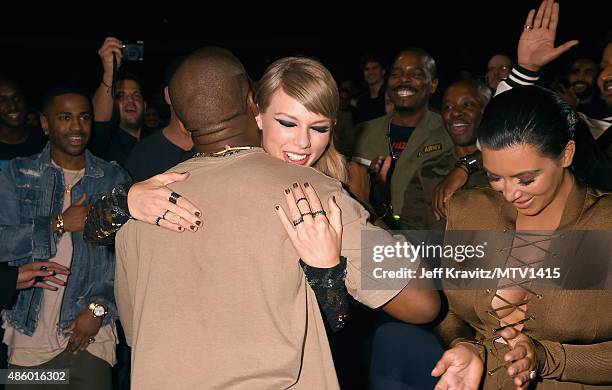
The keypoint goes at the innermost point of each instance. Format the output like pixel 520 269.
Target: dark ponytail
pixel 539 117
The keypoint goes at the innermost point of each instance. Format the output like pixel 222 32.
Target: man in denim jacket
pixel 43 205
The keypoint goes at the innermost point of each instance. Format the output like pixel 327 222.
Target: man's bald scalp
pixel 209 89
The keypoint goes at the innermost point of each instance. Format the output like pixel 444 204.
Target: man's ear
pixel 434 85
pixel 167 96
pixel 44 122
pixel 254 108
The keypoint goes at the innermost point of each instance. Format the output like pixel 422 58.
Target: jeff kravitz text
pixel 477 273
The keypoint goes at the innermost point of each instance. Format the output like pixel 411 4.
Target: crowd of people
pixel 222 238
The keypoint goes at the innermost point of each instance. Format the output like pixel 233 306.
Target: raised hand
pixel 536 46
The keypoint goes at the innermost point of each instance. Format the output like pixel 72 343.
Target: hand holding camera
pixel 109 47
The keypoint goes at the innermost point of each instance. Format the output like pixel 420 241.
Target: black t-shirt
pixel 111 143
pixel 33 144
pixel 153 155
pixel 596 109
pixel 369 108
pixel 398 137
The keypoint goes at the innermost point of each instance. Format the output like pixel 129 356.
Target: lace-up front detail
pixel 509 305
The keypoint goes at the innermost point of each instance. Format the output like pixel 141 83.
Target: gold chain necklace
pixel 228 151
pixel 68 187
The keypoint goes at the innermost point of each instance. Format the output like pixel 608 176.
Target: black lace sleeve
pixel 107 216
pixel 328 286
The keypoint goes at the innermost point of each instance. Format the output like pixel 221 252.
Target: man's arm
pixel 417 303
pixel 103 99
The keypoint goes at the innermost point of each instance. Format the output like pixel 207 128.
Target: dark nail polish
pixel 306 185
pixel 192 227
pixel 182 173
pixel 198 223
pixel 277 207
pixel 334 198
pixel 198 214
pixel 287 191
pixel 180 228
pixel 295 185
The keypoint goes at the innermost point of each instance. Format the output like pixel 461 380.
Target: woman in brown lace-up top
pixel 545 178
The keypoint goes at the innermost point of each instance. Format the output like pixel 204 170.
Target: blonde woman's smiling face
pixel 291 132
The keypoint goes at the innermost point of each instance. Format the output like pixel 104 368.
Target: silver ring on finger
pixel 320 212
pixel 164 216
pixel 301 199
pixel 532 374
pixel 298 221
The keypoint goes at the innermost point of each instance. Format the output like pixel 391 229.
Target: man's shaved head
pixel 209 93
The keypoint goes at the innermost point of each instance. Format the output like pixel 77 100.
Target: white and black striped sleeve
pixel 519 76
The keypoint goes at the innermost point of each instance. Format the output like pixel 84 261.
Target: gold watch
pixel 98 310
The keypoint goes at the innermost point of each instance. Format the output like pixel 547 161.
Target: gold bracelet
pixel 59 224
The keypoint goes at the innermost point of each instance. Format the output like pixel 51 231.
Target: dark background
pixel 61 46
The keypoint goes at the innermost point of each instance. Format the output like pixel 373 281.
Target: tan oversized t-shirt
pixel 229 307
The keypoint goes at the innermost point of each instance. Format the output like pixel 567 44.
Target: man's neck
pixel 375 89
pixel 201 145
pixel 14 135
pixel 72 163
pixel 178 137
pixel 408 118
pixel 462 151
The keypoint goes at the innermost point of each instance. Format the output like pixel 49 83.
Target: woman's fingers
pixel 313 198
pixel 294 211
pixel 335 216
pixel 302 203
pixel 287 224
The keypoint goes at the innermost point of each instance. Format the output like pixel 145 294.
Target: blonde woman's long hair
pixel 310 83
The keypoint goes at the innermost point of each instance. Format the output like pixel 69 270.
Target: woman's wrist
pixel 475 347
pixel 325 276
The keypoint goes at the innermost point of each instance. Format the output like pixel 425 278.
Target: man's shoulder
pixel 371 140
pixel 376 125
pixel 150 143
pixel 108 167
pixel 24 163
